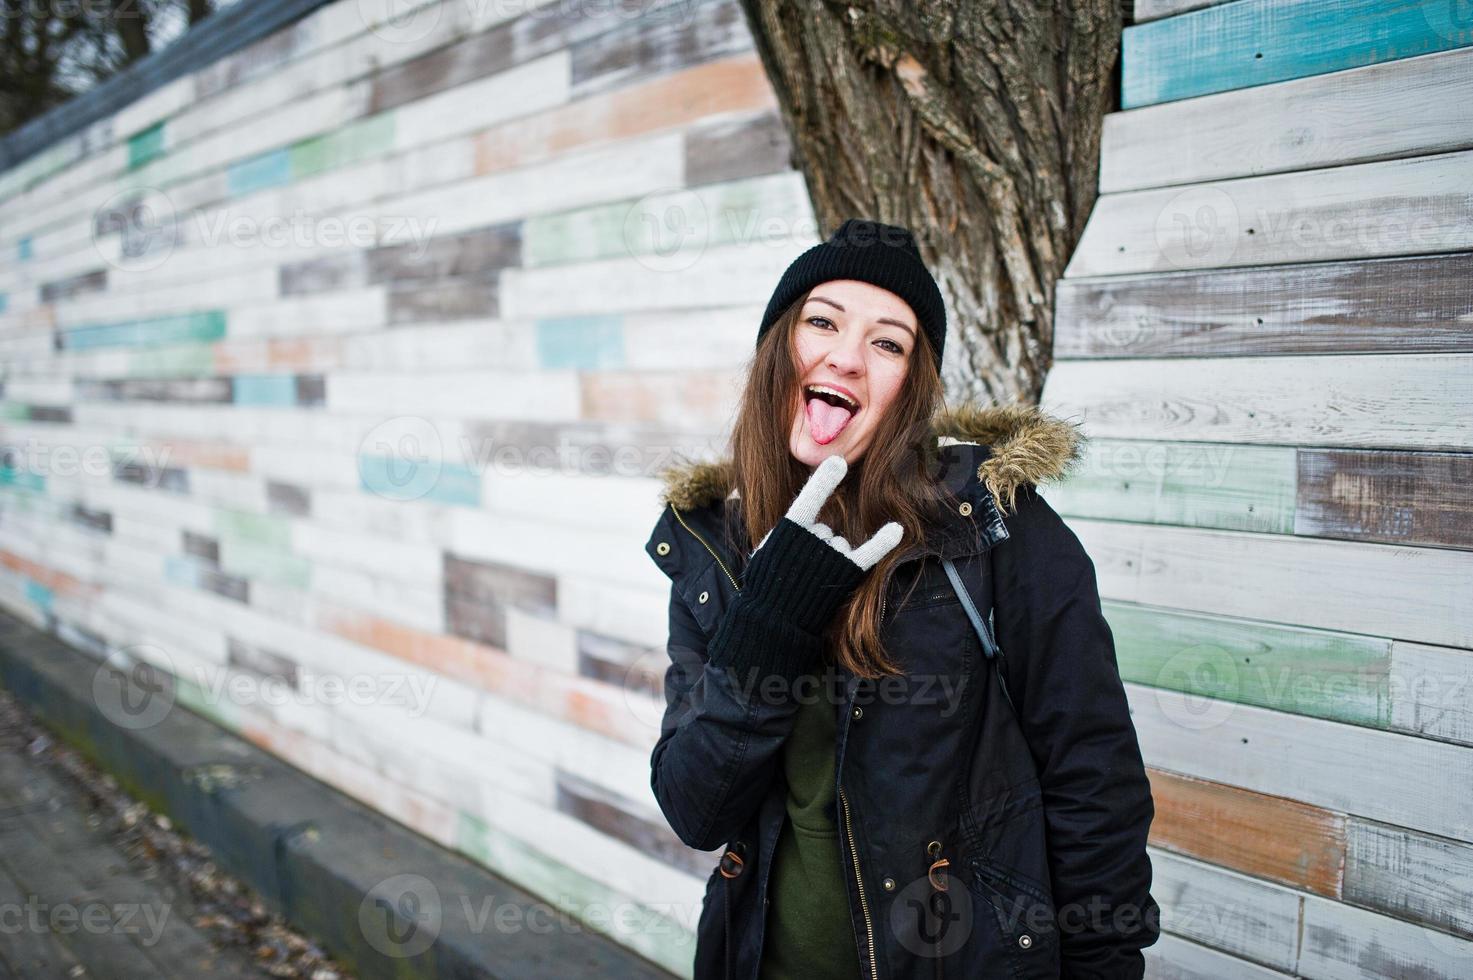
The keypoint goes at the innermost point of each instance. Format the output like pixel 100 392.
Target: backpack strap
pixel 984 630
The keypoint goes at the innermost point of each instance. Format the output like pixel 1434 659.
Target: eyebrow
pixel 884 319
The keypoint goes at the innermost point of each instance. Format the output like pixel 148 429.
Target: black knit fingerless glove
pixel 790 591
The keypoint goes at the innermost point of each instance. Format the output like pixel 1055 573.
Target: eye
pixel 886 340
pixel 822 318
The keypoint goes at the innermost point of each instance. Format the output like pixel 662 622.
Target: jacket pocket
pixel 1023 912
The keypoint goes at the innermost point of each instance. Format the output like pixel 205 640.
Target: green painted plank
pixel 263 563
pixel 1339 676
pixel 199 327
pixel 1255 42
pixel 671 230
pixel 1202 484
pixel 262 530
pixel 180 361
pixel 648 931
pixel 354 142
pixel 145 144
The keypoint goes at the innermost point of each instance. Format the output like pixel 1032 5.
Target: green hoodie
pixel 809 932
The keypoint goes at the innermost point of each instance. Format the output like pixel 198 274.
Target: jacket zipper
pixel 706 546
pixel 859 880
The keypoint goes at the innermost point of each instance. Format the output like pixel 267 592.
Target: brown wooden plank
pixel 74 286
pixel 629 666
pixel 187 390
pixel 260 661
pixel 202 547
pixel 731 149
pixel 447 299
pixel 615 817
pixel 1268 836
pixel 286 498
pixel 1395 497
pixel 91 517
pixel 456 64
pixel 343 270
pixel 666 39
pixel 1400 305
pixel 481 250
pixel 478 592
pixel 540 31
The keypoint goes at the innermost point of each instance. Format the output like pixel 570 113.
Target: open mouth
pixel 828 411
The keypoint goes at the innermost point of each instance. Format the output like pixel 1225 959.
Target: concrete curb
pixel 382 899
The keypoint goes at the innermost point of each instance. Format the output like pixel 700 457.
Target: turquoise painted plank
pixel 144 145
pixel 39 594
pixel 580 342
pixel 259 172
pixel 22 480
pixel 23 248
pixel 1255 42
pixel 401 478
pixel 265 389
pixel 203 326
pixel 180 570
pixel 4 301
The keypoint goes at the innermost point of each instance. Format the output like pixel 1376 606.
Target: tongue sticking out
pixel 826 421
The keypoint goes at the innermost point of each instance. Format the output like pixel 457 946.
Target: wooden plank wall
pixel 1267 332
pixel 355 355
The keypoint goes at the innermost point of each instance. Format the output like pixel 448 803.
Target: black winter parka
pixel 976 842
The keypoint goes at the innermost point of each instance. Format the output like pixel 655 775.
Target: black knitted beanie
pixel 880 254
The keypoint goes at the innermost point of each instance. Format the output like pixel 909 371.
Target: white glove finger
pixel 840 544
pixel 816 491
pixel 877 547
pixel 822 530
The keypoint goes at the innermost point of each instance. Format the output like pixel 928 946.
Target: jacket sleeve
pixel 1065 681
pixel 720 739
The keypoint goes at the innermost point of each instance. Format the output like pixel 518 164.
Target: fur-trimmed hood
pixel 1027 447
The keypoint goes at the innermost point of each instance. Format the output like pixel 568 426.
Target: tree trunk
pixel 977 125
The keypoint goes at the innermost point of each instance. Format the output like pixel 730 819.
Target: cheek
pixel 884 385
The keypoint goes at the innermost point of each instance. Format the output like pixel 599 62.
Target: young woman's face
pixel 858 339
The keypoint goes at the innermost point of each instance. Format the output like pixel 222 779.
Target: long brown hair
pixel 889 483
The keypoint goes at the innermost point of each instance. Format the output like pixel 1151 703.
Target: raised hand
pixel 810 501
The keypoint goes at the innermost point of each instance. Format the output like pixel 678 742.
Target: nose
pixel 846 356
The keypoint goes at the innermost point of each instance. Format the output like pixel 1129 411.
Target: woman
pixel 892 802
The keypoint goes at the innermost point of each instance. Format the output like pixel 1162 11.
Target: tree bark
pixel 976 124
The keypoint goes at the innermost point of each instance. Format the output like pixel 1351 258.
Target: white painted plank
pixel 1174 958
pixel 1345 943
pixel 1381 590
pixel 1320 121
pixel 1399 779
pixel 1432 691
pixel 1411 401
pixel 1228 911
pixel 1396 207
